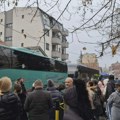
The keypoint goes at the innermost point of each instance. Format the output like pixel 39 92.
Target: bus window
pixel 5 57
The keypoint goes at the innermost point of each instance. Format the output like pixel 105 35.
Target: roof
pixel 87 69
pixel 25 50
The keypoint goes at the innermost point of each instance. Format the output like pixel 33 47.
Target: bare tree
pixel 94 15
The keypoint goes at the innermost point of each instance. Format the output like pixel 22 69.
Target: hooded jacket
pixel 10 107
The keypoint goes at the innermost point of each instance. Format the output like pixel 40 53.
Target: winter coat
pixel 22 97
pixel 56 97
pixel 10 107
pixel 55 93
pixel 70 98
pixel 37 104
pixel 113 106
pixel 69 114
pixel 110 89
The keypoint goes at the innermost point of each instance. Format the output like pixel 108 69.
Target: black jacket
pixel 10 107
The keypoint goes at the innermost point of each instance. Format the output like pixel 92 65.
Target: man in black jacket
pixel 38 103
pixel 110 87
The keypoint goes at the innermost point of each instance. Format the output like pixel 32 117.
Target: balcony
pixel 65 56
pixel 65 32
pixel 56 28
pixel 56 41
pixel 65 44
pixel 56 54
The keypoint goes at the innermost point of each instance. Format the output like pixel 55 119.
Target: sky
pixel 68 21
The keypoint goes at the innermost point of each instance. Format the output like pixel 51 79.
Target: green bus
pixel 30 65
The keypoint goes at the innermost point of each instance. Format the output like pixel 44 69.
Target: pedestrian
pixel 56 98
pixel 113 103
pixel 22 97
pixel 95 99
pixel 110 87
pixel 38 103
pixel 68 82
pixel 21 82
pixel 78 102
pixel 10 106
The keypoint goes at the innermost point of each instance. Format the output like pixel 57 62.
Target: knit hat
pixel 50 83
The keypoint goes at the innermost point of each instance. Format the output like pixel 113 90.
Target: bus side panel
pixel 30 76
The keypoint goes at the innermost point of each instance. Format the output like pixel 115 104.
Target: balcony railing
pixel 65 56
pixel 65 44
pixel 56 54
pixel 56 41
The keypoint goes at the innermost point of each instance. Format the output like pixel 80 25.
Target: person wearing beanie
pixel 56 96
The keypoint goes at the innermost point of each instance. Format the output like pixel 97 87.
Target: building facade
pixel 115 69
pixel 34 29
pixel 90 60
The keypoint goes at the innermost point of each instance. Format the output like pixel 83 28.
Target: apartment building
pixel 34 29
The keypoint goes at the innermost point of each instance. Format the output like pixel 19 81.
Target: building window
pixel 22 16
pixel 22 44
pixel 47 32
pixel 0 33
pixel 22 31
pixel 59 49
pixel 8 38
pixel 1 20
pixel 9 25
pixel 47 46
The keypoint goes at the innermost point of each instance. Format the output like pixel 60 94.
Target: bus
pixel 30 65
pixel 81 71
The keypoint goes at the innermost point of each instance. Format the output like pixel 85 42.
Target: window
pixel 47 46
pixel 59 49
pixel 22 44
pixel 5 57
pixel 9 25
pixel 22 16
pixel 8 38
pixel 22 31
pixel 0 33
pixel 47 32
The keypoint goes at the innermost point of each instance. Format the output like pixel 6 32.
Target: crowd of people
pixel 75 100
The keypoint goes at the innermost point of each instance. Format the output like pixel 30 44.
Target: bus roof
pixel 28 51
pixel 25 50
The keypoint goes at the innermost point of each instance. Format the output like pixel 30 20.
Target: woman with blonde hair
pixel 10 106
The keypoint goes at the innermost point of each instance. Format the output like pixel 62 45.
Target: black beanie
pixel 50 83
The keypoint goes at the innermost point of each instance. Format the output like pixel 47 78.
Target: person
pixel 61 89
pixel 78 103
pixel 38 103
pixel 56 97
pixel 68 82
pixel 113 103
pixel 10 106
pixel 95 99
pixel 110 87
pixel 21 82
pixel 31 89
pixel 22 97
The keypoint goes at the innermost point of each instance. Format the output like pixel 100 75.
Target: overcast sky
pixel 75 47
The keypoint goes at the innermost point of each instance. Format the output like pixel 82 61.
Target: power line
pixel 92 17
